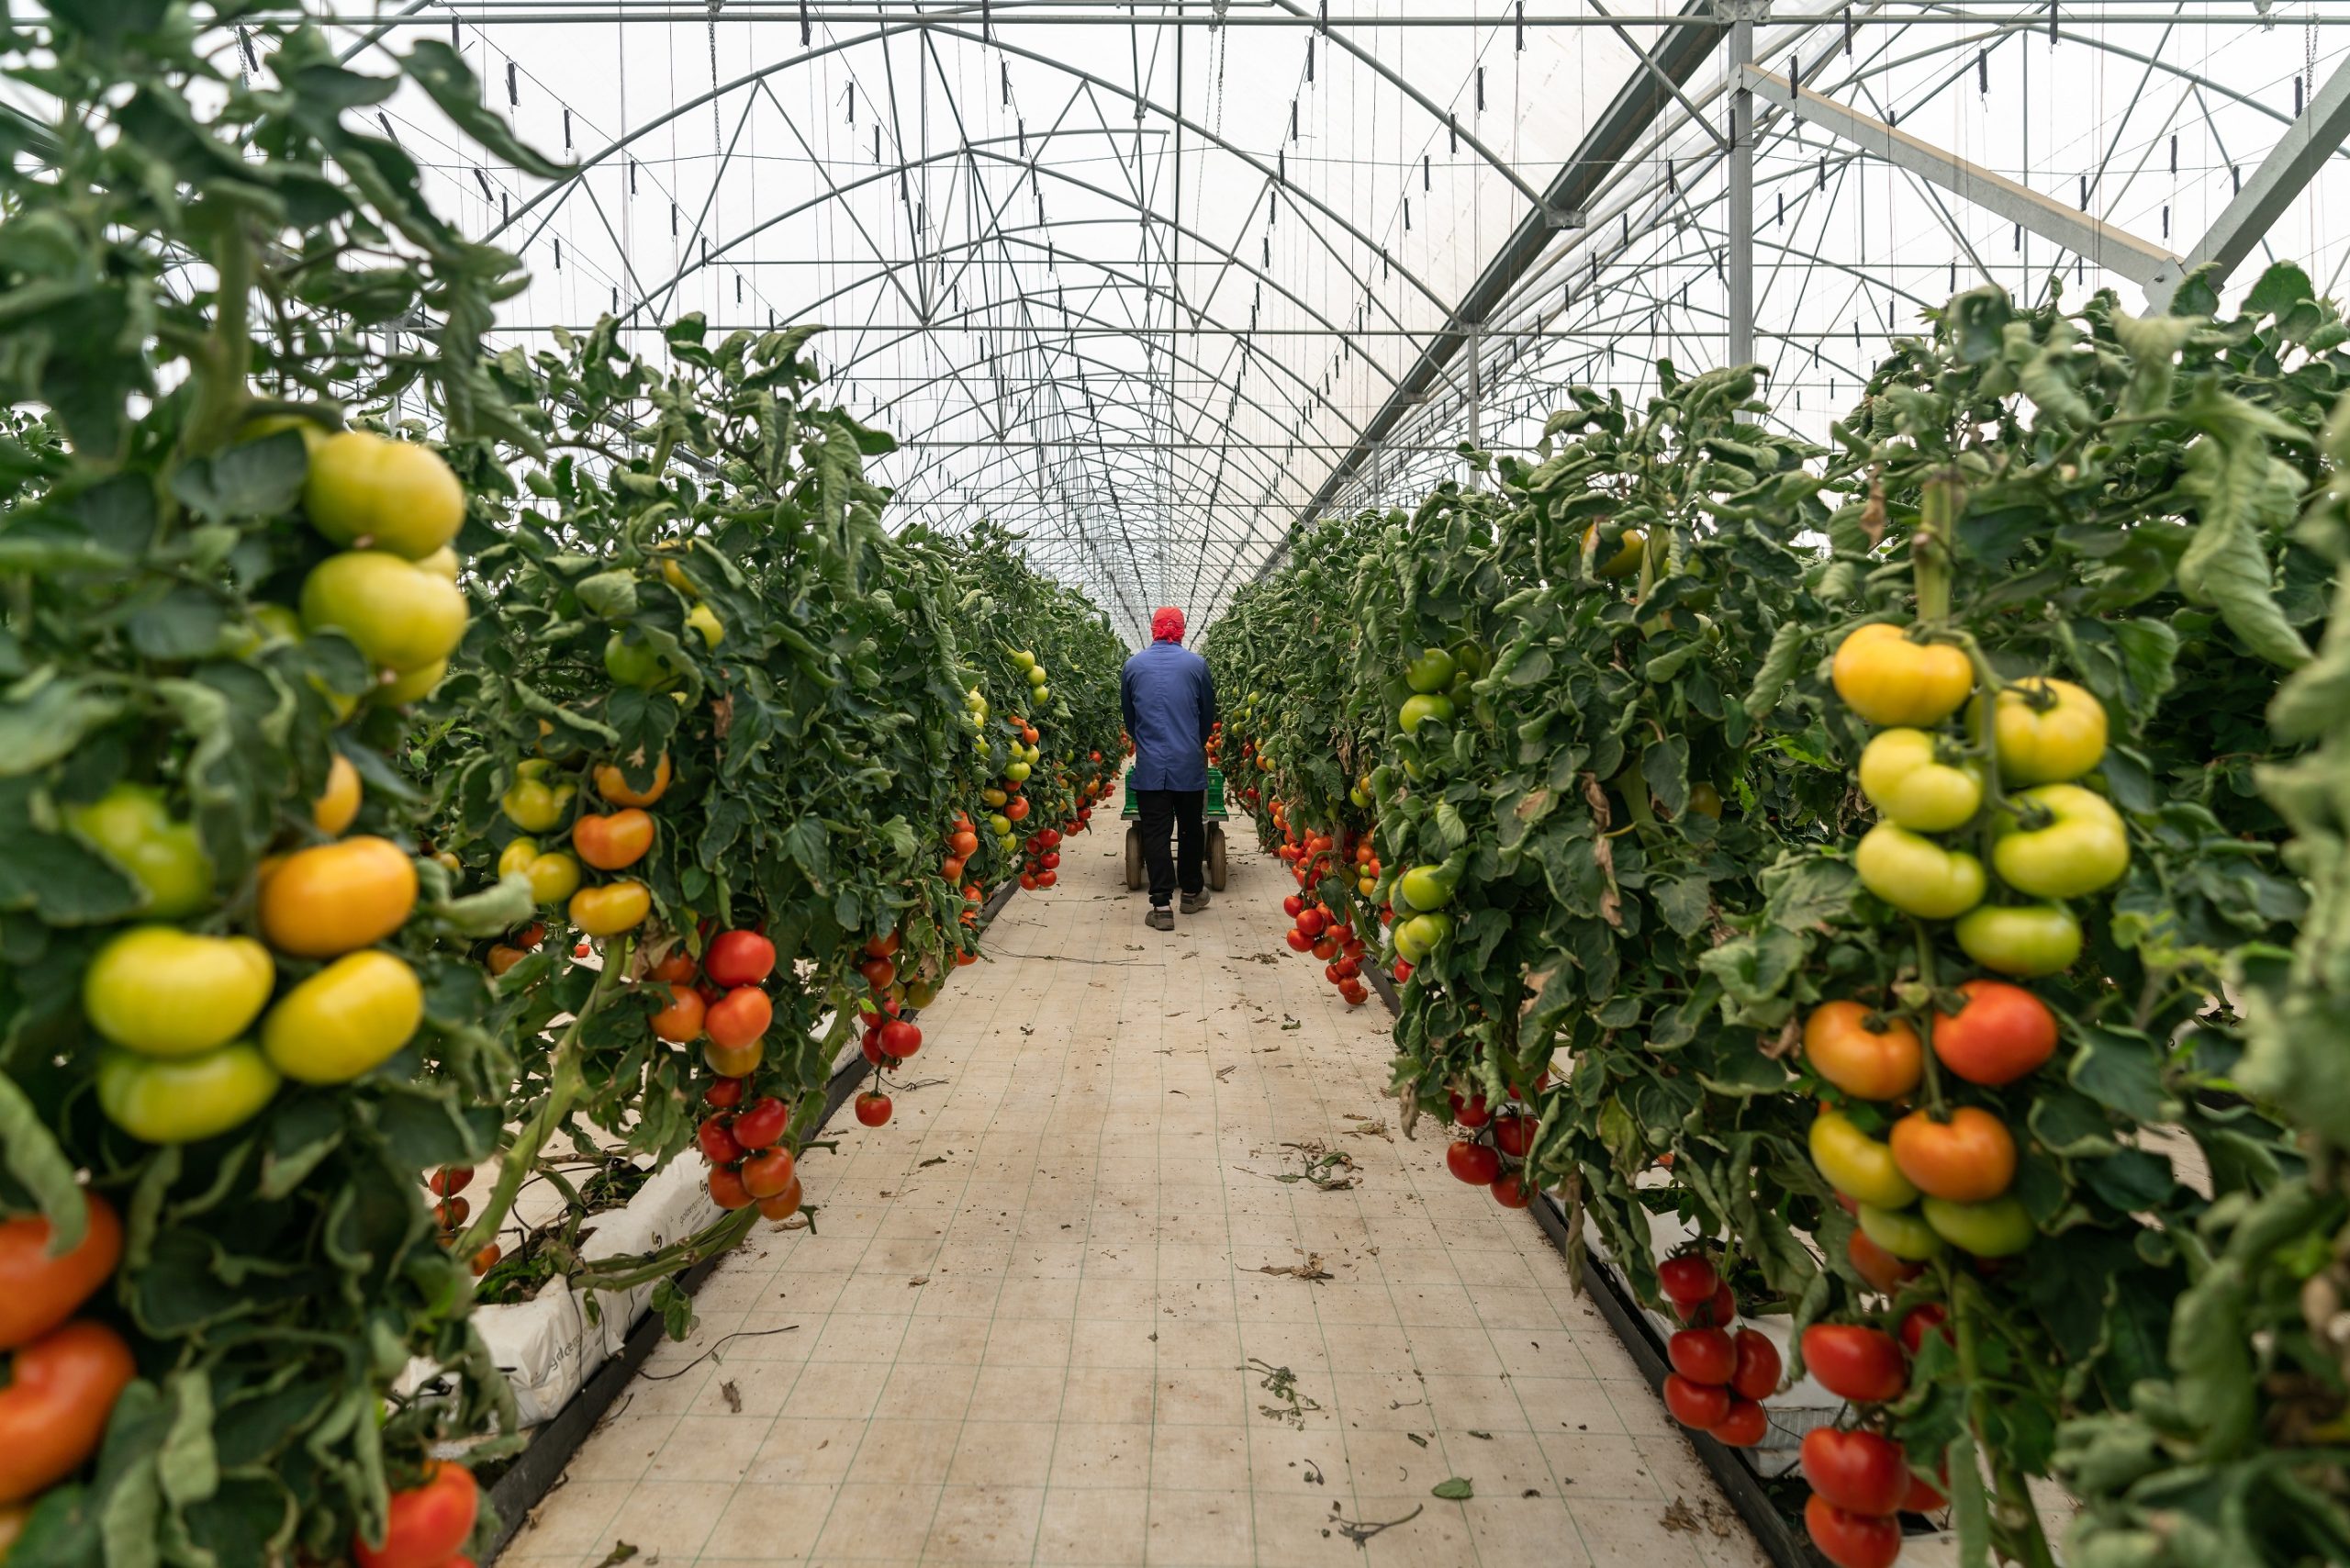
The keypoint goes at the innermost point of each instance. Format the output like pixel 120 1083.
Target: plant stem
pixel 1926 1022
pixel 221 368
pixel 626 1273
pixel 1930 546
pixel 564 1081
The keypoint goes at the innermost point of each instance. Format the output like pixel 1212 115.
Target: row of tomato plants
pixel 1864 858
pixel 379 809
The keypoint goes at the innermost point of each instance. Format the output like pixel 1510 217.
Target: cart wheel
pixel 1216 856
pixel 1134 877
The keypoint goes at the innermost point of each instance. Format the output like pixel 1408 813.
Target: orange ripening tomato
pixel 39 1292
pixel 337 898
pixel 677 968
pixel 54 1409
pixel 739 1018
pixel 1967 1159
pixel 1881 1063
pixel 612 784
pixel 681 1020
pixel 612 843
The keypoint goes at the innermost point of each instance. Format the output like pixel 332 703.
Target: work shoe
pixel 1194 903
pixel 1160 918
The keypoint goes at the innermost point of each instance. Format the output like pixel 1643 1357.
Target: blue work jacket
pixel 1170 704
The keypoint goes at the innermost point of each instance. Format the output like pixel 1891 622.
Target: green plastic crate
pixel 1213 807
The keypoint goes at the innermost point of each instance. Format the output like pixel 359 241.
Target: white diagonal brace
pixel 2307 143
pixel 2116 250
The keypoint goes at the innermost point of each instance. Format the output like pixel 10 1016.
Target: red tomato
pixel 1851 1541
pixel 882 946
pixel 871 1045
pixel 1511 1191
pixel 1047 878
pixel 1926 1316
pixel 1717 1312
pixel 1855 1362
pixel 55 1410
pixel 1473 1162
pixel 1298 940
pixel 39 1292
pixel 2000 1033
pixel 1703 1355
pixel 1858 1471
pixel 1514 1136
pixel 900 1038
pixel 677 968
pixel 767 1172
pixel 879 973
pixel 426 1524
pixel 739 1018
pixel 1700 1404
pixel 1403 971
pixel 1688 1279
pixel 739 958
pixel 1757 1373
pixel 717 1141
pixel 1355 991
pixel 725 1093
pixel 1924 1496
pixel 1293 906
pixel 1745 1426
pixel 1881 1269
pixel 1312 922
pixel 1472 1111
pixel 783 1204
pixel 1328 947
pixel 872 1108
pixel 762 1122
pixel 726 1189
pixel 451 1179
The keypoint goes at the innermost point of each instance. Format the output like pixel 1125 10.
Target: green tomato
pixel 401 616
pixel 1916 875
pixel 1423 887
pixel 187 1098
pixel 1900 1232
pixel 1017 772
pixel 346 1020
pixel 1043 695
pixel 1024 658
pixel 365 491
pixel 1356 795
pixel 1002 824
pixel 1417 937
pixel 1903 779
pixel 532 804
pixel 131 827
pixel 634 662
pixel 1431 671
pixel 1857 1165
pixel 161 991
pixel 2082 847
pixel 1036 675
pixel 2025 941
pixel 1417 710
pixel 1472 660
pixel 2000 1227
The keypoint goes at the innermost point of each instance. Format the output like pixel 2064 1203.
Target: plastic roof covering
pixel 1135 285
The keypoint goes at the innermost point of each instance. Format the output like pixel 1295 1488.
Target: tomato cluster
pixel 1719 1378
pixel 723 1003
pixel 1331 935
pixel 1493 1153
pixel 1859 1477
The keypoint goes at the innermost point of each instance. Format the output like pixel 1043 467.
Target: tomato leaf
pixel 34 1158
pixel 1458 1489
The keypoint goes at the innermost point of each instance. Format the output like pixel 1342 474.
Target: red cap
pixel 1167 625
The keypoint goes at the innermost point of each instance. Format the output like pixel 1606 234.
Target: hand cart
pixel 1211 812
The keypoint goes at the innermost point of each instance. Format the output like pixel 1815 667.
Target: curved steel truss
pixel 1153 281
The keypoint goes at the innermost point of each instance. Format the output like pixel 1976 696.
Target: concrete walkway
pixel 1053 1312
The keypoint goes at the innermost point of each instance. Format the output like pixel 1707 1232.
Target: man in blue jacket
pixel 1171 706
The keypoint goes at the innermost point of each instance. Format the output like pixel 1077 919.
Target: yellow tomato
pixel 161 991
pixel 346 1020
pixel 704 620
pixel 338 803
pixel 323 902
pixel 1888 679
pixel 413 686
pixel 612 908
pixel 555 875
pixel 530 802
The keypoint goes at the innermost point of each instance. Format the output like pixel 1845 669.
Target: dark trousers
pixel 1158 812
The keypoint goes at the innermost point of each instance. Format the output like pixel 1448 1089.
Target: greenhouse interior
pixel 1175 782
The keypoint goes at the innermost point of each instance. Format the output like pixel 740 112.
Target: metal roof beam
pixel 2114 249
pixel 2307 143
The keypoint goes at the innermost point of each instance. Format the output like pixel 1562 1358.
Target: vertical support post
pixel 1741 239
pixel 1476 388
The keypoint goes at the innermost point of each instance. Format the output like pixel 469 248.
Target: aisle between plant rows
pixel 1140 1273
